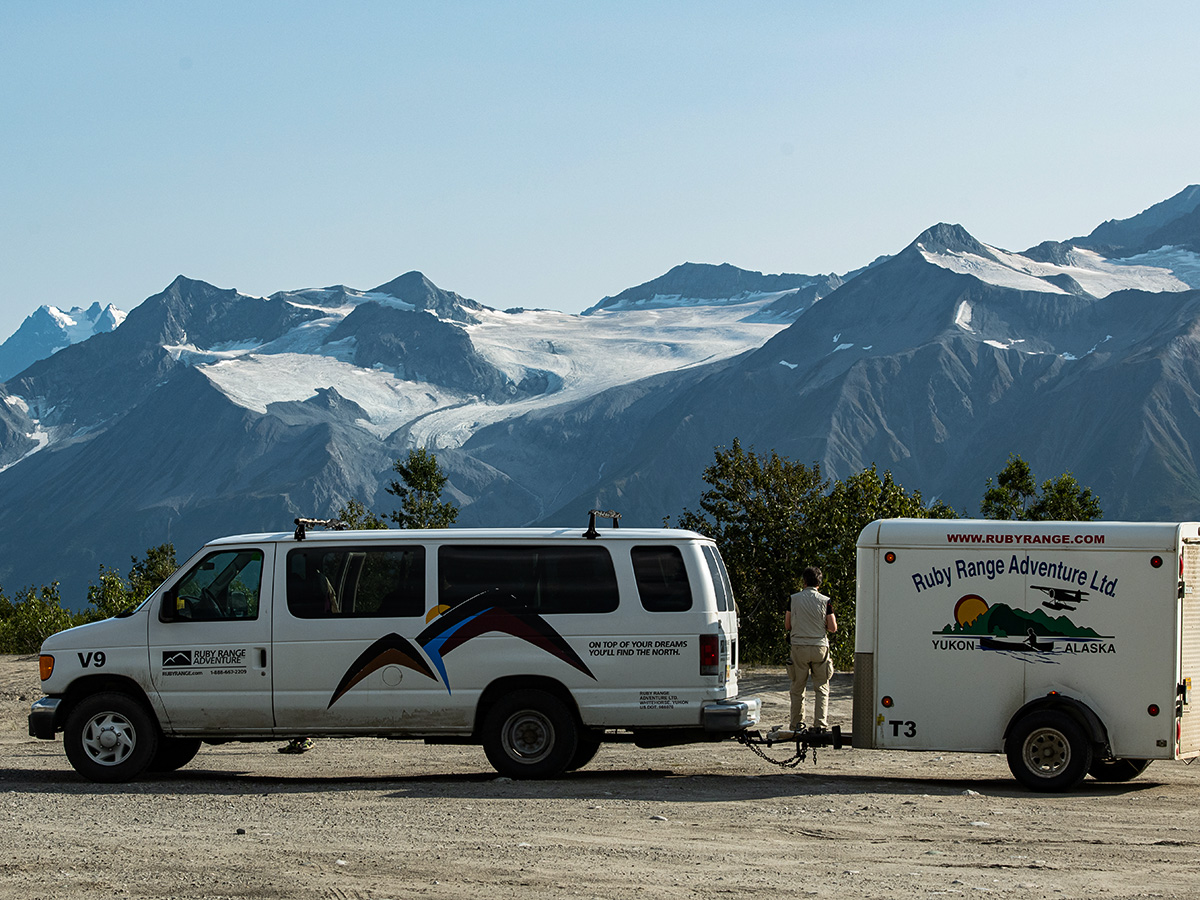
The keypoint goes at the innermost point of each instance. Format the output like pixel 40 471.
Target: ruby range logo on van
pixel 448 632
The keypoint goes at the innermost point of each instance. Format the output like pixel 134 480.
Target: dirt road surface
pixel 372 819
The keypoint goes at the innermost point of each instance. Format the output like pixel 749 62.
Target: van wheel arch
pixel 501 687
pixel 83 688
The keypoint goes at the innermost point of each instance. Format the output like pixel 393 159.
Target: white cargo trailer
pixel 1068 646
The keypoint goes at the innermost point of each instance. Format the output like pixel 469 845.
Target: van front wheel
pixel 530 734
pixel 110 737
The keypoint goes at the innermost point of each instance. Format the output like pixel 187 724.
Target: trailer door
pixel 1189 650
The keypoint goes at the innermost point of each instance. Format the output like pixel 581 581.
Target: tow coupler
pixel 804 740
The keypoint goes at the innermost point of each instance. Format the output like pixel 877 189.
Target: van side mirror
pixel 170 610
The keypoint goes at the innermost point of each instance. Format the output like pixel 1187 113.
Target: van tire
pixel 110 737
pixel 1048 751
pixel 1117 769
pixel 530 734
pixel 174 753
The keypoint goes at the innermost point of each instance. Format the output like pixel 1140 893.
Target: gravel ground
pixel 371 819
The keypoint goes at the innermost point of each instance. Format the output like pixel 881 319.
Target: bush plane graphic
pixel 1061 598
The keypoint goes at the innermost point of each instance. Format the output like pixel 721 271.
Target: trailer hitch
pixel 804 739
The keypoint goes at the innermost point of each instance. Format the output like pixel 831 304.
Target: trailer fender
pixel 1079 711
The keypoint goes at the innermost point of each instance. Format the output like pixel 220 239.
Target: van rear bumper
pixel 731 715
pixel 42 718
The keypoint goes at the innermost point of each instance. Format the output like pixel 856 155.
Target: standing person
pixel 810 621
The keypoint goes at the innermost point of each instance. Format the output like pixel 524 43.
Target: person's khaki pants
pixel 817 663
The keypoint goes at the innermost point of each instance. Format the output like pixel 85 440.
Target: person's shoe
pixel 299 745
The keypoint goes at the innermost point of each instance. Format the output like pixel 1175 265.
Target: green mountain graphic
pixel 1001 620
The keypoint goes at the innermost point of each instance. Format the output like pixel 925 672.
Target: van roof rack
pixel 303 524
pixel 591 532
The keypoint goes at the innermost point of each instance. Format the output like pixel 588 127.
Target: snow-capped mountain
pixel 49 329
pixel 210 412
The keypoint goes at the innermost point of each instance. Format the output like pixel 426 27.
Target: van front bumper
pixel 731 715
pixel 43 716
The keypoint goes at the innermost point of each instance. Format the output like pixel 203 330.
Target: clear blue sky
pixel 549 154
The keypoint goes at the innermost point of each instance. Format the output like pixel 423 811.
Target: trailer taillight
pixel 710 654
pixel 1156 562
pixel 1152 709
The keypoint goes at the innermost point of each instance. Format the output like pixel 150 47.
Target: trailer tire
pixel 173 753
pixel 110 737
pixel 1048 751
pixel 530 734
pixel 1117 769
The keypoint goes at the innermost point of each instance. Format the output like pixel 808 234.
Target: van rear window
pixel 662 578
pixel 542 579
pixel 340 582
pixel 720 579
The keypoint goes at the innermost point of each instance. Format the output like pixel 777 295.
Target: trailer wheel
pixel 530 734
pixel 1117 769
pixel 110 737
pixel 174 753
pixel 1048 751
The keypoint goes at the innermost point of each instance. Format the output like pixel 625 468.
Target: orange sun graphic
pixel 969 608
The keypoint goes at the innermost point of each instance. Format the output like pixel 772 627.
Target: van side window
pixel 540 579
pixel 720 579
pixel 662 579
pixel 350 582
pixel 223 585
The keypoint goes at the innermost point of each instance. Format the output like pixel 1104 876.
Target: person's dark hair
pixel 811 577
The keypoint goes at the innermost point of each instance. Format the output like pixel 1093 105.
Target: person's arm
pixel 787 621
pixel 830 621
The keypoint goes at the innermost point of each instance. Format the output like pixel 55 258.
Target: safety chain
pixel 791 763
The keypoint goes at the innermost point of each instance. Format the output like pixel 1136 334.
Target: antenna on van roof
pixel 591 532
pixel 302 524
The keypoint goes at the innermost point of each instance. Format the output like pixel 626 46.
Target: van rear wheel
pixel 530 734
pixel 1048 751
pixel 110 737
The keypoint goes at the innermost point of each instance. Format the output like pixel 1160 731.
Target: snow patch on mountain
pixel 582 356
pixel 1094 273
pixel 670 301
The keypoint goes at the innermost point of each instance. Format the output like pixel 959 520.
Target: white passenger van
pixel 539 644
pixel 1068 646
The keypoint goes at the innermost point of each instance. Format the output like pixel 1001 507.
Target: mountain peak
pixel 693 283
pixel 49 329
pixel 945 238
pixel 1136 234
pixel 414 288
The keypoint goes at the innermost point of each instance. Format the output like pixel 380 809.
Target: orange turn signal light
pixel 45 666
pixel 887 702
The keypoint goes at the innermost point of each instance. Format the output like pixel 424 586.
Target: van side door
pixel 210 643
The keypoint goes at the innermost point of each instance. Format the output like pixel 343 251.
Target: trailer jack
pixel 804 740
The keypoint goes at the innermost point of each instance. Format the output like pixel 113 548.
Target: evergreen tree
pixel 771 517
pixel 419 490
pixel 1015 496
pixel 358 518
